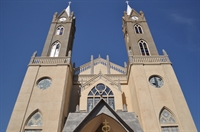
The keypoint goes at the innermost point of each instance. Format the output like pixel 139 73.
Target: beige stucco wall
pixel 134 105
pixel 182 112
pixel 151 100
pixel 51 101
pixel 144 99
pixel 127 97
pixel 17 117
pixel 99 68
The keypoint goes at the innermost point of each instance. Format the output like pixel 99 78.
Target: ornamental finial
pixel 129 9
pixel 68 9
pixel 92 58
pixel 107 57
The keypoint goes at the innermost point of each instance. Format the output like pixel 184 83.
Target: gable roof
pixel 76 121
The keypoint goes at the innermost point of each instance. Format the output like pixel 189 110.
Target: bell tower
pixel 155 92
pixel 43 101
pixel 61 34
pixel 137 34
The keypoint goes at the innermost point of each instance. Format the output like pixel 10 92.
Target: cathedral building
pixel 144 95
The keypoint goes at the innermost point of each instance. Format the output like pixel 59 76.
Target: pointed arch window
pixel 34 124
pixel 55 48
pixel 143 48
pixel 167 121
pixel 98 92
pixel 138 29
pixel 60 30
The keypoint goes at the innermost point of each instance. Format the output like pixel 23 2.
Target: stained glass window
pixel 90 104
pixel 35 120
pixel 111 102
pixel 170 129
pixel 33 130
pixel 99 92
pixel 167 117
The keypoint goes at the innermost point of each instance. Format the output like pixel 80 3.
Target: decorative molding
pixel 78 79
pixel 97 61
pixel 86 80
pixel 50 60
pixel 149 60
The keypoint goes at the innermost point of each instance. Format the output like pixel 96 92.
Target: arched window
pixel 98 92
pixel 60 30
pixel 144 48
pixel 167 121
pixel 55 48
pixel 138 29
pixel 34 124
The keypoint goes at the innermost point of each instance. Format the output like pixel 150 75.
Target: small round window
pixel 156 81
pixel 44 83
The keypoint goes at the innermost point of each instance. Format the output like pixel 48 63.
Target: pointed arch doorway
pixel 103 123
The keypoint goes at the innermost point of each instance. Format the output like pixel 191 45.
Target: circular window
pixel 156 81
pixel 44 83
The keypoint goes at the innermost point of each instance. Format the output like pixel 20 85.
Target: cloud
pixel 182 19
pixel 189 30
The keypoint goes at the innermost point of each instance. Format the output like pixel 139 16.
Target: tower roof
pixel 129 9
pixel 68 9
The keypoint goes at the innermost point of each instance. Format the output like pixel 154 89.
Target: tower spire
pixel 68 9
pixel 129 9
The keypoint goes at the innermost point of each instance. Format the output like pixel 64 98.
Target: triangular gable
pixel 77 121
pixel 130 11
pixel 96 78
pixel 63 14
pixel 66 12
pixel 134 13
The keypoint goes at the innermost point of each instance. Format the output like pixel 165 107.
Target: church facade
pixel 100 96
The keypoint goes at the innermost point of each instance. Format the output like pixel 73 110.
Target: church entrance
pixel 103 123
